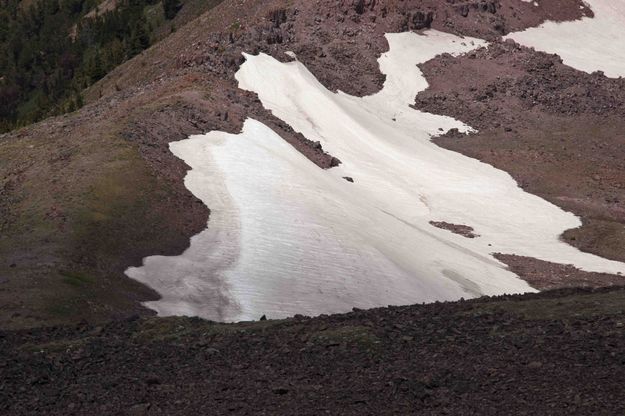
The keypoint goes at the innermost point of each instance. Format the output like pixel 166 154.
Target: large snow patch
pixel 286 237
pixel 588 44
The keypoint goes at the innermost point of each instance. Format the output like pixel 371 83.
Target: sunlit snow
pixel 588 44
pixel 286 237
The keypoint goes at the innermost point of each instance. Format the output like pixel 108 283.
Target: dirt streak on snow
pixel 589 44
pixel 286 237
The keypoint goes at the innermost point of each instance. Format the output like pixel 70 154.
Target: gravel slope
pixel 556 353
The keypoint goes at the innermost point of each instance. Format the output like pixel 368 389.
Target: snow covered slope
pixel 589 44
pixel 286 237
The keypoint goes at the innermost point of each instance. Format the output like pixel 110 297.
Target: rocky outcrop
pixel 460 229
pixel 418 20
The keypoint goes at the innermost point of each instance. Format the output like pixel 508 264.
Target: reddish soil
pixel 543 275
pixel 340 42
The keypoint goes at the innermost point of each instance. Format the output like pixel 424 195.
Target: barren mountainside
pixel 107 168
pixel 293 158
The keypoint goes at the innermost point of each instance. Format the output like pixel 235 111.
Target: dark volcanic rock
pixel 557 353
pixel 463 230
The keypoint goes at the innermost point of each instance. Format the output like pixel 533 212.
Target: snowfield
pixel 285 237
pixel 589 44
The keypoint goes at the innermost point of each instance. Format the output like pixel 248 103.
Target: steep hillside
pixel 336 128
pixel 51 50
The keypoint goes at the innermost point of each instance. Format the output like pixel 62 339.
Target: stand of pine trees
pixel 50 52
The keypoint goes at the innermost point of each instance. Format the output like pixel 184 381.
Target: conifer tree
pixel 49 52
pixel 171 8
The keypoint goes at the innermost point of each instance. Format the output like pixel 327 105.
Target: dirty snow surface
pixel 285 237
pixel 589 44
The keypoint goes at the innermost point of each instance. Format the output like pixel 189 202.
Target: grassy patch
pixel 113 206
pixel 577 306
pixel 61 309
pixel 154 15
pixel 75 279
pixel 347 334
pixel 235 26
pixel 177 328
pixel 58 346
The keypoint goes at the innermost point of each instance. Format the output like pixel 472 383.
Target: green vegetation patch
pixel 50 50
pixel 346 335
pixel 116 208
pixel 59 346
pixel 76 279
pixel 177 328
pixel 577 306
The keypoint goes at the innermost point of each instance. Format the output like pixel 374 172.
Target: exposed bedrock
pixel 340 41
